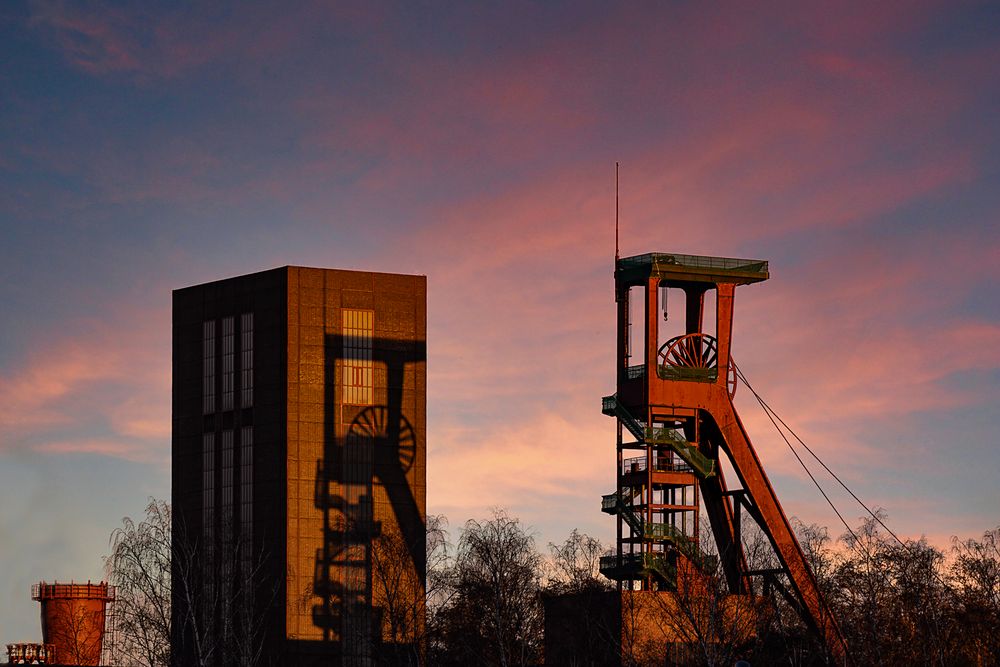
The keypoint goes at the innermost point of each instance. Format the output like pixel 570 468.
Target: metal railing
pixel 665 372
pixel 660 464
pixel 694 262
pixel 609 502
pixel 629 566
pixel 687 451
pixel 634 464
pixel 666 531
pixel 609 562
pixel 635 372
pixel 31 654
pixel 72 590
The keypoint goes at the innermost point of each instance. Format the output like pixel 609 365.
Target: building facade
pixel 298 474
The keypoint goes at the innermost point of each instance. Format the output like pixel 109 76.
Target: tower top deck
pixel 696 268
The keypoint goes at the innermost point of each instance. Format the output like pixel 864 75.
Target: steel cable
pixel 770 411
pixel 798 458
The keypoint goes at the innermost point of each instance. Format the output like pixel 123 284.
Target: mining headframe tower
pixel 675 421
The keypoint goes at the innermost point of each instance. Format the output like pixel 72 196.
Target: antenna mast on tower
pixel 616 215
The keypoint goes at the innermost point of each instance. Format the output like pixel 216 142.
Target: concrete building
pixel 298 474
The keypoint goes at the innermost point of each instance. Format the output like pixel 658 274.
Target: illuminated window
pixel 246 360
pixel 358 327
pixel 228 359
pixel 208 367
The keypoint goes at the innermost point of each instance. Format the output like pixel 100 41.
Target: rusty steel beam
pixel 720 516
pixel 748 468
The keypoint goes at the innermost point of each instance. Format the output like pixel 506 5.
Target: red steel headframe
pixel 689 382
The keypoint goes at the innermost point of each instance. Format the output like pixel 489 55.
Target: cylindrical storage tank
pixel 73 619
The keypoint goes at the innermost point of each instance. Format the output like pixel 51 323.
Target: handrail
pixel 660 464
pixel 688 451
pixel 635 372
pixel 72 590
pixel 639 564
pixel 30 653
pixel 694 262
pixel 611 406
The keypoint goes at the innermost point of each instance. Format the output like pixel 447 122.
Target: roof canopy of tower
pixel 697 268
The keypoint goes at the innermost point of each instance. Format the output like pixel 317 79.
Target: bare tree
pixel 581 627
pixel 703 623
pixel 975 573
pixel 408 601
pixel 217 595
pixel 398 589
pixel 139 568
pixel 221 597
pixel 439 591
pixel 493 613
pixel 193 637
pixel 693 618
pixel 637 647
pixel 896 602
pixel 893 603
pixel 575 564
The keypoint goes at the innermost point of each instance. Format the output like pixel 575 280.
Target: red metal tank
pixel 73 619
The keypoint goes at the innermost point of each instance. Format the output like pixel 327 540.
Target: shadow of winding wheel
pixel 373 422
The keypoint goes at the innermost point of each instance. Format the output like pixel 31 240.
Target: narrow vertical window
pixel 246 360
pixel 226 515
pixel 228 354
pixel 226 555
pixel 208 366
pixel 358 327
pixel 208 496
pixel 227 485
pixel 246 501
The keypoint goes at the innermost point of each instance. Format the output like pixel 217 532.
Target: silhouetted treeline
pixel 909 603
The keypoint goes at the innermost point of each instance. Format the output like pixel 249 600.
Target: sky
pixel 854 145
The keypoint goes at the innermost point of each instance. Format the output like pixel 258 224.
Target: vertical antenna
pixel 616 214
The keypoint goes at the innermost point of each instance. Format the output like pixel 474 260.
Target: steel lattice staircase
pixel 630 566
pixel 703 466
pixel 613 408
pixel 614 503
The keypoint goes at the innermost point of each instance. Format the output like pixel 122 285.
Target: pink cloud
pixel 531 260
pixel 847 340
pixel 909 517
pixel 145 416
pixel 104 39
pixel 27 396
pixel 91 378
pixel 529 105
pixel 818 167
pixel 95 42
pixel 138 452
pixel 549 456
pixel 519 267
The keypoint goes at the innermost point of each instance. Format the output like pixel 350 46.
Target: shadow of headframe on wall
pixel 365 466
